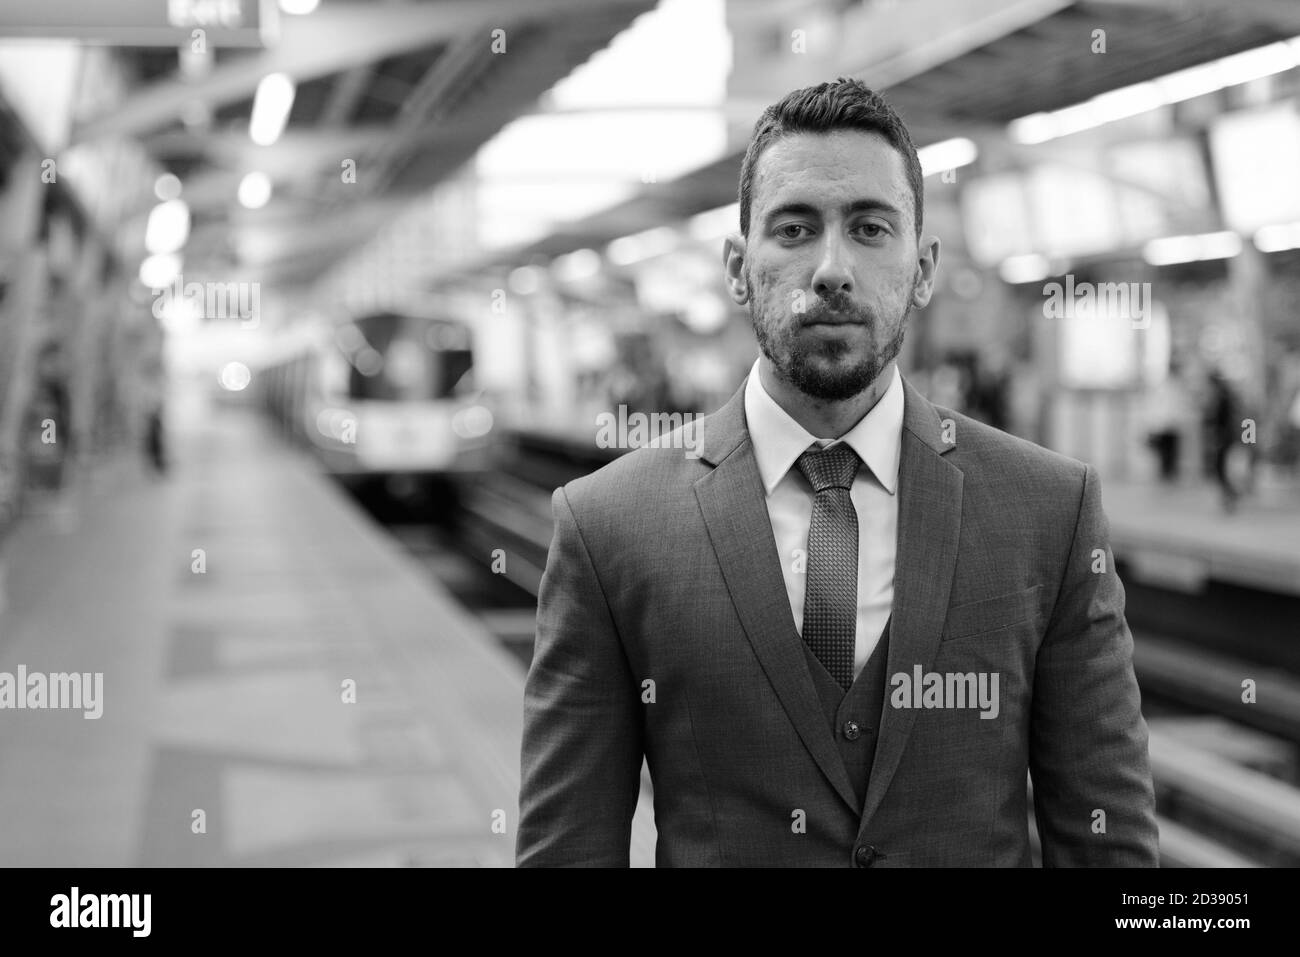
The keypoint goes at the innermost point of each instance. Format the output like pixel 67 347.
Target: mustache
pixel 836 308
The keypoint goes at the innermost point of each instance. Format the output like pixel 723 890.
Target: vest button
pixel 864 856
pixel 851 730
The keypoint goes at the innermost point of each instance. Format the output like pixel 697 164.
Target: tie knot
pixel 834 467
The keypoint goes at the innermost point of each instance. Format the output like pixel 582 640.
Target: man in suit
pixel 841 624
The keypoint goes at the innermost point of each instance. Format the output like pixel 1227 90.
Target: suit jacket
pixel 664 630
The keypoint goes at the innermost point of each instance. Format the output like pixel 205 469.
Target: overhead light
pixel 644 245
pixel 158 271
pixel 705 313
pixel 235 377
pixel 254 190
pixel 1274 239
pixel 946 155
pixel 168 227
pixel 472 422
pixel 1185 249
pixel 714 223
pixel 1162 91
pixel 179 315
pixel 368 362
pixel 577 265
pixel 525 280
pixel 349 338
pixel 1031 267
pixel 167 186
pixel 195 63
pixel 299 7
pixel 271 107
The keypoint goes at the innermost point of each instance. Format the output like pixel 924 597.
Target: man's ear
pixel 927 262
pixel 733 264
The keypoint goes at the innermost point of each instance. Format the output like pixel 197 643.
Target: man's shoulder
pixel 671 463
pixel 985 452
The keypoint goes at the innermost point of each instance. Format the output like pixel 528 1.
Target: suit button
pixel 851 730
pixel 864 856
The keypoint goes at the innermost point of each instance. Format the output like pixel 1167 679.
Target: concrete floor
pixel 223 690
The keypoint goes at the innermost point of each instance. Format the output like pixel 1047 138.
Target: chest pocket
pixel 991 614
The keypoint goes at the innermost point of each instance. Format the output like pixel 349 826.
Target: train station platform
pixel 231 607
pixel 1175 536
pixel 1180 536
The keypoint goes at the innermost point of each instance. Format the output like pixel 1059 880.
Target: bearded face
pixel 835 347
pixel 831 267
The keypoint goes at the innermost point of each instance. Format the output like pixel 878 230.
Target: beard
pixel 817 368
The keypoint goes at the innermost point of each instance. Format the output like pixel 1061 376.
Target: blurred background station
pixel 306 308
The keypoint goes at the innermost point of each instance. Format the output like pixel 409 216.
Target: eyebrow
pixel 857 206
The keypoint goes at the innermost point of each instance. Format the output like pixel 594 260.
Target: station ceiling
pixel 408 91
pixel 404 89
pixel 984 69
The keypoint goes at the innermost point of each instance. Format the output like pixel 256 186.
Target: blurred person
pixel 989 392
pixel 1165 412
pixel 1221 421
pixel 793 627
pixel 49 430
pixel 152 404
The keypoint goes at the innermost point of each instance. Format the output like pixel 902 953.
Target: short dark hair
pixel 846 104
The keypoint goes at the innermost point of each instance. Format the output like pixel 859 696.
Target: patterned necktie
pixel 830 607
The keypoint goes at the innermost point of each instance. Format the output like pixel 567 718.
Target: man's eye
pixel 872 230
pixel 790 231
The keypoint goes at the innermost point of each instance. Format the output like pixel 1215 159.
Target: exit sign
pixel 142 22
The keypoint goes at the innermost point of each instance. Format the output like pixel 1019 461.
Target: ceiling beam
pixel 338 36
pixel 422 107
pixel 962 27
pixel 297 150
pixel 345 96
pixel 1282 15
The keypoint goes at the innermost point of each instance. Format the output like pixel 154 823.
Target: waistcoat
pixel 853 716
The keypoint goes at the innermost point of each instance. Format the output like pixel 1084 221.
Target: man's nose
pixel 833 273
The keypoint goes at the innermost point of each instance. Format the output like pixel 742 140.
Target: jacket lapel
pixel 929 527
pixel 734 506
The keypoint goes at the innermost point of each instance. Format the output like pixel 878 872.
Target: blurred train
pixel 386 401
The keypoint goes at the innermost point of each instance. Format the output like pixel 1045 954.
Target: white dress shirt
pixel 778 442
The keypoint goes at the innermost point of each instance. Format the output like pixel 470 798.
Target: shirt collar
pixel 779 440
